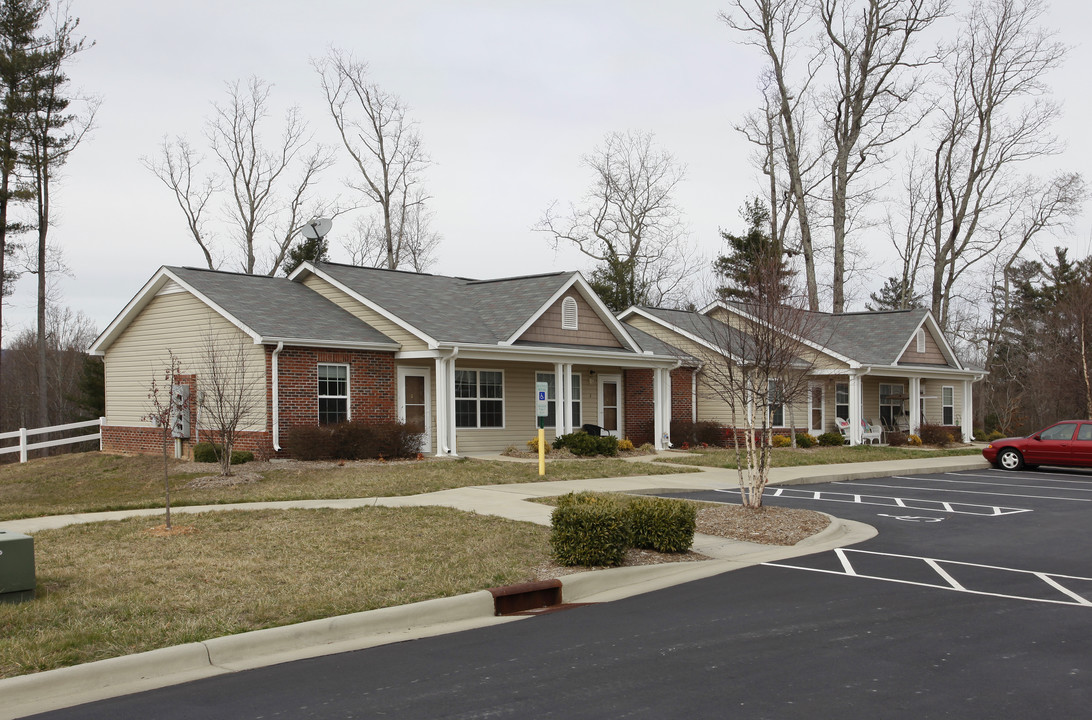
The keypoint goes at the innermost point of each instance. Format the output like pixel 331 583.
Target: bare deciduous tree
pixel 760 370
pixel 269 184
pixel 629 223
pixel 776 28
pixel 163 408
pixel 385 147
pixel 229 394
pixel 864 112
pixel 416 245
pixel 995 118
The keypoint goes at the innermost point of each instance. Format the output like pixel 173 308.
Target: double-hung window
pixel 841 401
pixel 890 402
pixel 479 399
pixel 775 398
pixel 947 401
pixel 551 396
pixel 333 393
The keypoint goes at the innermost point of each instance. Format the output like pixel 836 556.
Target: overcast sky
pixel 508 96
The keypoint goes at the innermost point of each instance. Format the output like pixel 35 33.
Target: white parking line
pixel 1038 475
pixel 1000 485
pixel 1053 580
pixel 968 492
pixel 890 501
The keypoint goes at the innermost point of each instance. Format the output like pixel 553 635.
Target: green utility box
pixel 16 567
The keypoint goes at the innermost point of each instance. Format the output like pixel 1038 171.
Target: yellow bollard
pixel 541 451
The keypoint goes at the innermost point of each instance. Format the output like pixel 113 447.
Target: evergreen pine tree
pixel 754 265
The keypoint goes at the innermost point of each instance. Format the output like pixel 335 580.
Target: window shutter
pixel 568 314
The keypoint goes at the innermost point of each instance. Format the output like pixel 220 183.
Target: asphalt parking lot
pixel 1019 535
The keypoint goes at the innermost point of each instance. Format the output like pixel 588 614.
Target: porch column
pixel 451 405
pixel 967 421
pixel 567 369
pixel 442 393
pixel 658 427
pixel 561 400
pixel 915 404
pixel 856 396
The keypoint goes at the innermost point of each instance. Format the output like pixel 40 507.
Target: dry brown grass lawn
pixel 93 482
pixel 111 589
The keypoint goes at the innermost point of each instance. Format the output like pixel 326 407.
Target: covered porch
pixel 482 399
pixel 892 398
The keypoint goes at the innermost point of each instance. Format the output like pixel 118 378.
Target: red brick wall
pixel 372 396
pixel 639 406
pixel 682 394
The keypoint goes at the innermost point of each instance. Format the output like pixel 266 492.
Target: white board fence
pixel 24 447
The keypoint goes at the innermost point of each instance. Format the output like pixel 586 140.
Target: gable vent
pixel 921 340
pixel 568 314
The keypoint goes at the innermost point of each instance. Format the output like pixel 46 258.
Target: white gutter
pixel 448 398
pixel 277 399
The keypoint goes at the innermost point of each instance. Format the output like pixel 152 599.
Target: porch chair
pixel 871 434
pixel 843 427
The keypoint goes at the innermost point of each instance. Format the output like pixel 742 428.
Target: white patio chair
pixel 843 427
pixel 871 434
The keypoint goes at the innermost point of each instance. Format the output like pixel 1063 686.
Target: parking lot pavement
pixel 988 532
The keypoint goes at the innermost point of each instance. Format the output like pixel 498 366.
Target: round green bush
pixel 209 453
pixel 806 440
pixel 831 439
pixel 596 533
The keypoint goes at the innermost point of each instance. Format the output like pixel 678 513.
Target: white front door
pixel 610 404
pixel 816 415
pixel 415 403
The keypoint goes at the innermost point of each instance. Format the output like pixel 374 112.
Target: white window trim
pixel 944 406
pixel 478 400
pixel 846 403
pixel 879 398
pixel 348 390
pixel 569 314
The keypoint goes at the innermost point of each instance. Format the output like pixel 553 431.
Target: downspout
pixel 277 399
pixel 694 393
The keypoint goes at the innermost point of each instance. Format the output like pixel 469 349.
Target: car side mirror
pixel 1036 437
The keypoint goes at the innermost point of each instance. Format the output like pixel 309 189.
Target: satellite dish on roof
pixel 317 228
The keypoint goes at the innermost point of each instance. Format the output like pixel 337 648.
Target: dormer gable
pixel 922 348
pixel 570 320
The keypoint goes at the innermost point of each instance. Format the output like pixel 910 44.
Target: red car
pixel 1064 443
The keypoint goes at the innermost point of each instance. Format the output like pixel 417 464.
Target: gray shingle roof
pixel 871 338
pixel 702 326
pixel 451 309
pixel 279 308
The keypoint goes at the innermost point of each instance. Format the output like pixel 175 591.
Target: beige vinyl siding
pixel 396 332
pixel 519 405
pixel 932 355
pixel 590 329
pixel 180 322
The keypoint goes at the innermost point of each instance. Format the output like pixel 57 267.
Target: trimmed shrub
pixel 697 433
pixel 625 444
pixel 590 533
pixel 646 447
pixel 209 453
pixel 354 440
pixel 532 445
pixel 914 440
pixel 896 438
pixel 831 439
pixel 933 434
pixel 806 440
pixel 995 435
pixel 585 445
pixel 662 524
pixel 979 435
pixel 780 441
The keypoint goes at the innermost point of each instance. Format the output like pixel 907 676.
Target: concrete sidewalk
pixel 66 687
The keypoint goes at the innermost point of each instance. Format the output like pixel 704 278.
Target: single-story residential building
pixel 459 359
pixel 887 368
pixel 456 357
